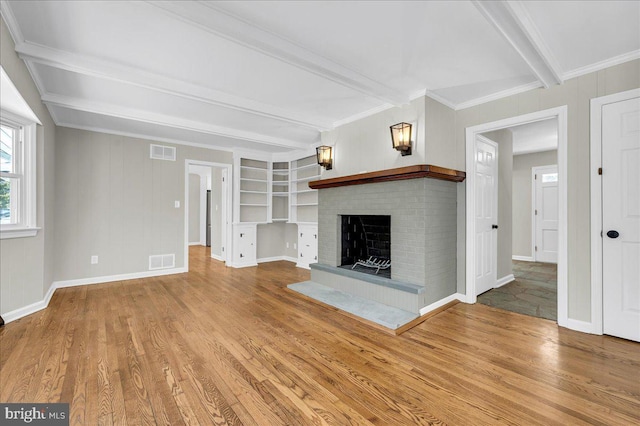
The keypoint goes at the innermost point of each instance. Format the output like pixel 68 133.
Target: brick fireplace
pixel 421 212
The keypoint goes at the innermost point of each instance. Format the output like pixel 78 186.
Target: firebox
pixel 366 244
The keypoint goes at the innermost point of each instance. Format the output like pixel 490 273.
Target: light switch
pixel 177 204
pixel 94 260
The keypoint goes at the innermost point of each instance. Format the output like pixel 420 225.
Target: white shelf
pixel 280 194
pixel 280 219
pixel 253 205
pixel 307 179
pixel 245 191
pixel 254 168
pixel 303 191
pixel 253 180
pixel 308 166
pixel 305 204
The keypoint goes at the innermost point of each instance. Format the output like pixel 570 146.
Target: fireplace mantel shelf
pixel 401 173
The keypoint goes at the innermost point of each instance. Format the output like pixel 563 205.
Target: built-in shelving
pixel 280 191
pixel 253 194
pixel 304 200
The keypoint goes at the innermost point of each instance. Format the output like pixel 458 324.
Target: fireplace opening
pixel 366 244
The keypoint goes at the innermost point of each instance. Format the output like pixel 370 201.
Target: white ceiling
pixel 535 137
pixel 270 76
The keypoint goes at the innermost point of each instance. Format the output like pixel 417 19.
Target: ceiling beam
pixel 513 22
pixel 134 114
pixel 214 19
pixel 94 67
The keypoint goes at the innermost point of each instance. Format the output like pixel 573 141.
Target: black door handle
pixel 494 226
pixel 613 234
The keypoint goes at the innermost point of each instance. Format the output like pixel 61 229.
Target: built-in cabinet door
pixel 244 247
pixel 307 245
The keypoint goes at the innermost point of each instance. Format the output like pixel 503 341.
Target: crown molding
pixel 100 68
pixel 512 21
pixel 12 23
pixel 498 95
pixel 164 120
pixel 215 20
pixel 598 66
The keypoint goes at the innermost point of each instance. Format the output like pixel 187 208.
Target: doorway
pixel 216 211
pixel 473 246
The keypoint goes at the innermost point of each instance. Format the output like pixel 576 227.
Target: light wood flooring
pixel 233 346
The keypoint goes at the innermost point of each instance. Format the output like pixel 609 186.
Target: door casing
pixel 597 319
pixel 560 113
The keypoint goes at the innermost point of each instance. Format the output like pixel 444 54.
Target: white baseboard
pixel 198 243
pixel 582 326
pixel 523 258
pixel 216 257
pixel 40 305
pixel 442 302
pixel 277 258
pixel 504 280
pixel 121 277
pixel 241 265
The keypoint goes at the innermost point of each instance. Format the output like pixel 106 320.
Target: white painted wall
pixel 26 264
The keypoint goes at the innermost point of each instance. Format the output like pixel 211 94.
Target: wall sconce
pixel 323 154
pixel 401 138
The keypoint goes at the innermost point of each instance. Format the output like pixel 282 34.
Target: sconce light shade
pixel 323 154
pixel 401 138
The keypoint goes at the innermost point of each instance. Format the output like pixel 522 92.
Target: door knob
pixel 613 234
pixel 494 226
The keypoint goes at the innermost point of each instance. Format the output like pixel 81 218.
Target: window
pixel 17 177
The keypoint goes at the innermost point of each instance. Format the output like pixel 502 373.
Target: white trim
pixel 276 259
pixel 98 68
pixel 442 302
pixel 513 22
pixel 504 280
pixel 607 63
pixel 216 257
pixel 561 114
pixel 120 277
pixel 42 304
pixel 498 95
pixel 227 210
pixel 6 234
pixel 30 309
pixel 522 258
pixel 134 135
pixel 135 114
pixel 198 243
pixel 12 100
pixel 582 326
pixel 222 23
pixel 12 23
pixel 596 202
pixel 361 115
pixel 433 95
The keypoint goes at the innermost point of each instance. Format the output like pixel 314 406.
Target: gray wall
pixel 273 239
pixel 576 94
pixel 26 264
pixel 194 208
pixel 522 165
pixel 504 139
pixel 115 202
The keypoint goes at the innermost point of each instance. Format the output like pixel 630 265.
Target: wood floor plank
pixel 224 346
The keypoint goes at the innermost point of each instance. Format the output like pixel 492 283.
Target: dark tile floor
pixel 534 292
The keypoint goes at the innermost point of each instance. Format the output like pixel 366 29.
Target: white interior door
pixel 486 207
pixel 546 214
pixel 621 218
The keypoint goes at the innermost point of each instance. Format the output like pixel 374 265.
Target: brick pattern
pixel 423 228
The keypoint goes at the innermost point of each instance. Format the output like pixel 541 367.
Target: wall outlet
pixel 287 245
pixel 295 246
pixel 94 260
pixel 176 204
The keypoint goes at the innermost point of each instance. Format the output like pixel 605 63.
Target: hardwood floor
pixel 227 346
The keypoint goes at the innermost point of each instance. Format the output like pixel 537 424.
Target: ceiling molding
pixel 498 95
pixel 141 136
pixel 95 67
pixel 165 120
pixel 513 23
pixel 440 99
pixel 362 115
pixel 222 23
pixel 12 24
pixel 598 66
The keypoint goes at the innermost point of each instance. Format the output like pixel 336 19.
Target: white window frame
pixel 26 153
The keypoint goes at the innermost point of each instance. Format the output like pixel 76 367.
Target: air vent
pixel 160 152
pixel 162 261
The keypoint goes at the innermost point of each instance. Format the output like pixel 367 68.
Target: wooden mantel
pixel 401 173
